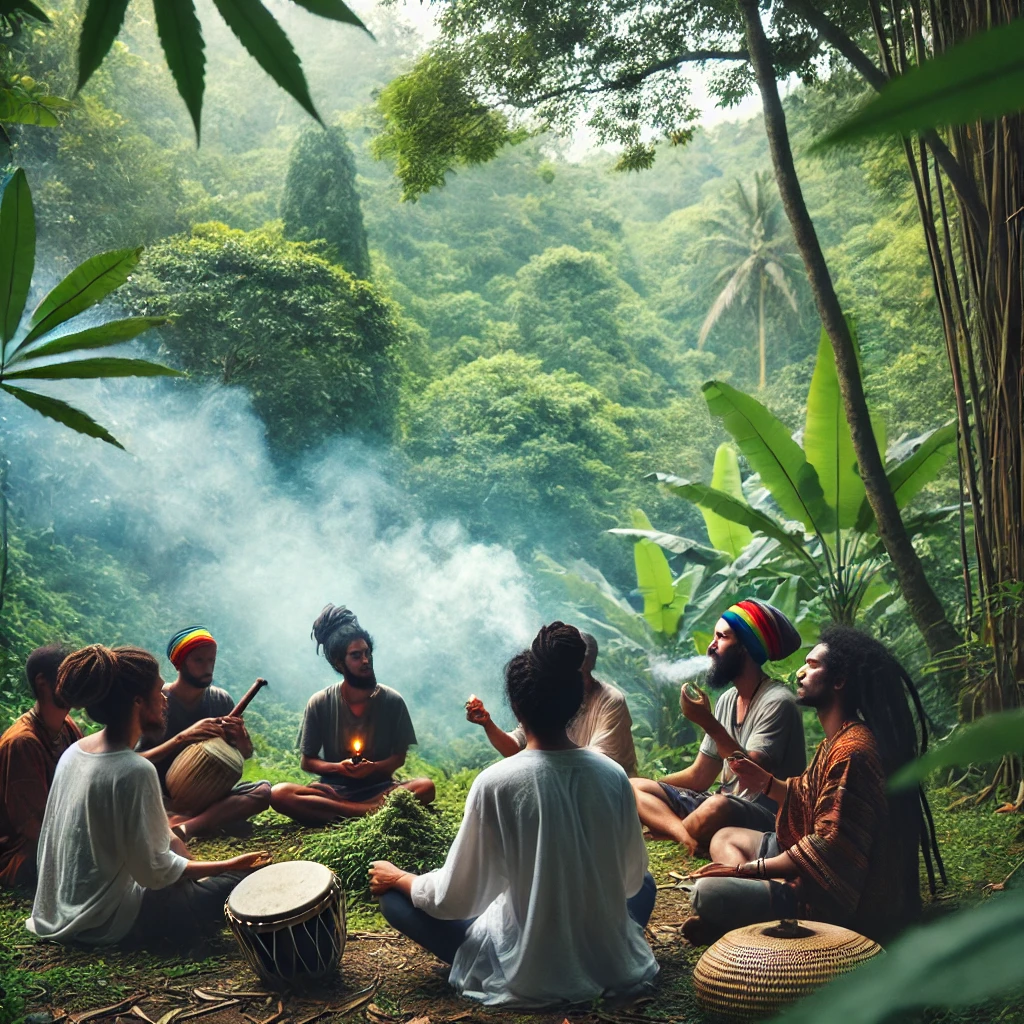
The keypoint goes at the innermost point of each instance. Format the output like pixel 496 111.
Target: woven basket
pixel 752 972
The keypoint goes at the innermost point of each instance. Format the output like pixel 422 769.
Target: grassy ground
pixel 979 847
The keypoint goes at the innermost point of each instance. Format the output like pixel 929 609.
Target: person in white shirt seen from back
pixel 545 893
pixel 110 869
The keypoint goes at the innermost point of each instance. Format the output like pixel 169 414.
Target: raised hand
pixel 204 729
pixel 696 710
pixel 476 712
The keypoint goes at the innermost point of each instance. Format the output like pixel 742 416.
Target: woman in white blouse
pixel 545 893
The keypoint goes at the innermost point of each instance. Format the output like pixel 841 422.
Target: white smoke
pixel 665 671
pixel 255 552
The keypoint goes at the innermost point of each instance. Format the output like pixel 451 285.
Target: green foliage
pixel 403 831
pixel 320 199
pixel 981 78
pixel 725 534
pixel 317 349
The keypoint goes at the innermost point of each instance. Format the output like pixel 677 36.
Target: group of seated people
pixel 545 893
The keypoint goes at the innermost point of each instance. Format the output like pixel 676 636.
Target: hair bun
pixel 333 618
pixel 559 648
pixel 85 676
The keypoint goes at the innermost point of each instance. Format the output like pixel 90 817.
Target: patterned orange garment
pixel 28 759
pixel 857 858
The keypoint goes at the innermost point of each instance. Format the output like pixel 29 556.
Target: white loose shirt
pixel 104 840
pixel 549 850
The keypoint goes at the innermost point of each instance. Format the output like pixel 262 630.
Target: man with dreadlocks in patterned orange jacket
pixel 844 851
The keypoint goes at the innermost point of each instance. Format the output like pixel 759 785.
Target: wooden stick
pixel 239 709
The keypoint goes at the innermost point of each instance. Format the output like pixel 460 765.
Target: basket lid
pixel 280 890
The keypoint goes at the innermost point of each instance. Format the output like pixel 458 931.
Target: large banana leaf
pixel 90 282
pixel 772 452
pixel 60 411
pixel 114 332
pixel 827 441
pixel 17 253
pixel 979 79
pixel 907 479
pixel 90 369
pixel 677 545
pixel 654 581
pixel 725 534
pixel 705 496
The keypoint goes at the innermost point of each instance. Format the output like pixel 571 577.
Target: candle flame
pixel 357 745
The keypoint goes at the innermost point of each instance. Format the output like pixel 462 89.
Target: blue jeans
pixel 443 938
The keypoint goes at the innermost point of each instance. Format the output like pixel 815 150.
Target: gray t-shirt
pixel 329 727
pixel 773 725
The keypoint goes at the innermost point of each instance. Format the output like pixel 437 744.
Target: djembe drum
pixel 206 772
pixel 752 972
pixel 289 920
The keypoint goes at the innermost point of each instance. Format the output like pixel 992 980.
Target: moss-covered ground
pixel 44 979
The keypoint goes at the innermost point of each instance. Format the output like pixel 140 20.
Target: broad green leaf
pixel 985 740
pixel 90 282
pixel 112 333
pixel 726 535
pixel 335 10
pixel 18 107
pixel 827 441
pixel 907 479
pixel 654 581
pixel 600 599
pixel 29 8
pixel 17 253
pixel 265 40
pixel 701 641
pixel 677 545
pixel 772 453
pixel 726 505
pixel 980 79
pixel 60 411
pixel 88 369
pixel 181 36
pixel 102 22
pixel 962 958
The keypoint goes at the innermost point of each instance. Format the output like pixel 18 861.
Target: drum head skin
pixel 280 890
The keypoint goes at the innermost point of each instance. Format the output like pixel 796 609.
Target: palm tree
pixel 753 236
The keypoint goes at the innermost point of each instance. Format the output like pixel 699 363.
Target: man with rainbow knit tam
pixel 198 710
pixel 756 716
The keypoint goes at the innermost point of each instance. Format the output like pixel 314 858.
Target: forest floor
pixel 385 979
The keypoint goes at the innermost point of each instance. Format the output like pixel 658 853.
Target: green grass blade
pixel 181 36
pixel 103 21
pixel 90 282
pixel 979 79
pixel 335 10
pixel 113 333
pixel 63 413
pixel 90 369
pixel 265 40
pixel 17 252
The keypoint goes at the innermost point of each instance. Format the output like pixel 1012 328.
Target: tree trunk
pixel 925 607
pixel 763 378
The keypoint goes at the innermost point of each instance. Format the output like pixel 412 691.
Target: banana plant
pixel 818 519
pixel 35 349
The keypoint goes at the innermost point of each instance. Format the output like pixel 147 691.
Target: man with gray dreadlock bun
pixel 355 734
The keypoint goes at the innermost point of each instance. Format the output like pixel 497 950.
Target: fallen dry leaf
pixel 209 1008
pixel 138 1011
pixel 108 1011
pixel 171 1015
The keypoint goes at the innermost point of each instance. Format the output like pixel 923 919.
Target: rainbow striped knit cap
pixel 766 633
pixel 187 640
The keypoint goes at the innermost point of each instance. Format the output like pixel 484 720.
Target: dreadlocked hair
pixel 105 681
pixel 336 627
pixel 544 685
pixel 876 687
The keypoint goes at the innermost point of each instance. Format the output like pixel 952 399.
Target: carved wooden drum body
pixel 752 972
pixel 202 774
pixel 289 920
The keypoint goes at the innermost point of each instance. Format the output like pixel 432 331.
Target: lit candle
pixel 357 749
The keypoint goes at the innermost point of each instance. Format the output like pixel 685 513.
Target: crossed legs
pixel 319 804
pixel 695 831
pixel 234 807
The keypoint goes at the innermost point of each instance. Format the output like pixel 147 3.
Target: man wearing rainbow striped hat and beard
pixel 197 710
pixel 756 716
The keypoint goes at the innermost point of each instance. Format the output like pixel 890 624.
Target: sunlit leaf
pixel 265 40
pixel 654 581
pixel 335 10
pixel 102 22
pixel 985 740
pixel 63 413
pixel 771 451
pixel 959 960
pixel 18 107
pixel 17 253
pixel 979 79
pixel 89 369
pixel 90 282
pixel 114 332
pixel 181 36
pixel 677 545
pixel 725 534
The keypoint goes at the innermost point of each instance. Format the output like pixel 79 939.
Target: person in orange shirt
pixel 29 752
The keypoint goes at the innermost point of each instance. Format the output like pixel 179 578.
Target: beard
pixel 196 681
pixel 368 682
pixel 725 667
